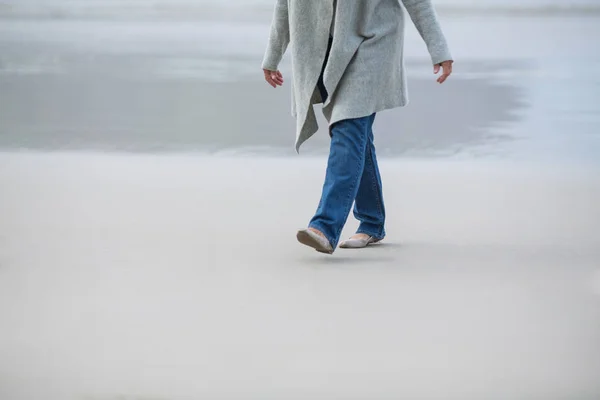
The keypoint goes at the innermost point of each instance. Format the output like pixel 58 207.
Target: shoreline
pixel 312 157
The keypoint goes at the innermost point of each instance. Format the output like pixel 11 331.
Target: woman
pixel 348 56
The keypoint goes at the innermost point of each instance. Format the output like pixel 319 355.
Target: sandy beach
pixel 178 277
pixel 150 195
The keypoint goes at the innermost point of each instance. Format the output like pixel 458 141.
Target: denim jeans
pixel 352 177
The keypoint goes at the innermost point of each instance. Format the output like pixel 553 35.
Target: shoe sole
pixel 307 240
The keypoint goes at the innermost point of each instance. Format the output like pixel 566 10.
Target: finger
pixel 436 68
pixel 443 78
pixel 277 79
pixel 270 81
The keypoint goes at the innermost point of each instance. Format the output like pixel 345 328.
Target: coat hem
pixel 402 103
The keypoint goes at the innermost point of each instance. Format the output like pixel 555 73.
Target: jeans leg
pixel 344 170
pixel 369 207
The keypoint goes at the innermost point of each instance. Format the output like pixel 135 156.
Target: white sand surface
pixel 179 277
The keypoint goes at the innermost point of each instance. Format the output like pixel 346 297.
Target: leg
pixel 369 207
pixel 344 170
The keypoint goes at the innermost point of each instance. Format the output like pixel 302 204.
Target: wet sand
pixel 174 277
pixel 186 115
pixel 520 89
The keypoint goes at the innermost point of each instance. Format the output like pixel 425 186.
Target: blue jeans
pixel 352 177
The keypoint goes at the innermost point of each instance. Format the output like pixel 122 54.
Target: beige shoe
pixel 312 239
pixel 359 243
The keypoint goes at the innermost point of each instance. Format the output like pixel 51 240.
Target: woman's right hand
pixel 273 78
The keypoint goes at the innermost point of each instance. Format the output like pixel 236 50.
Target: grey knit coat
pixel 365 69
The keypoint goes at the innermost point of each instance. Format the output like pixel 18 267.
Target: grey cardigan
pixel 365 70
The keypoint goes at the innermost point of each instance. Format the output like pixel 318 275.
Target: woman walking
pixel 348 56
